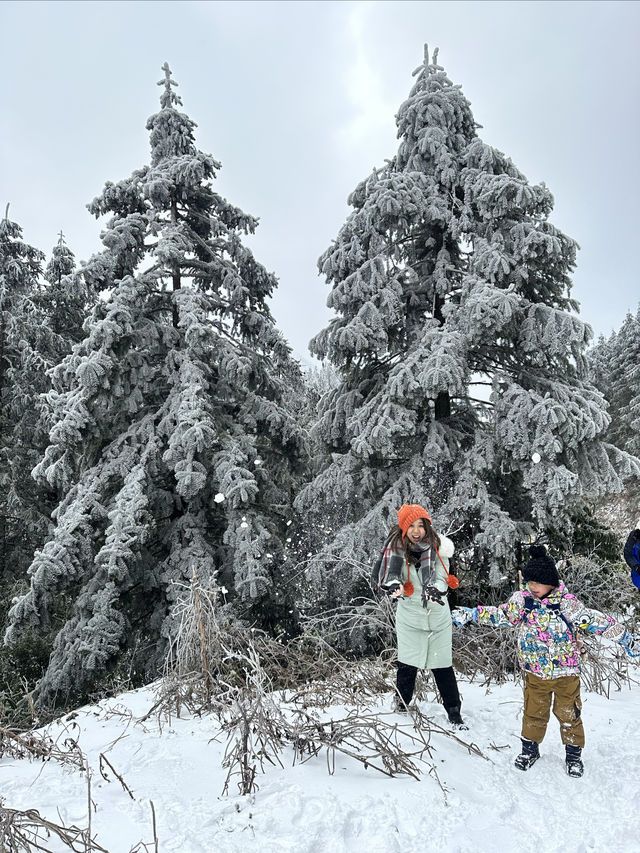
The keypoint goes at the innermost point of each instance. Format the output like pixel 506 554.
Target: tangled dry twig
pixel 271 697
pixel 26 831
pixel 35 744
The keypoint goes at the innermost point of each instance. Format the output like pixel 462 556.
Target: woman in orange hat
pixel 414 569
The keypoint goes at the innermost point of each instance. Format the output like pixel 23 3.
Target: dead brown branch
pixel 147 847
pixel 36 745
pixel 26 831
pixel 270 696
pixel 104 760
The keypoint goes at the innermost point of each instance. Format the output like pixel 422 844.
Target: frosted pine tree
pixel 25 357
pixel 616 366
pixel 169 438
pixel 40 319
pixel 62 262
pixel 66 299
pixel 461 355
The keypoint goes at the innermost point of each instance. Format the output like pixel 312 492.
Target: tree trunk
pixel 176 272
pixel 443 401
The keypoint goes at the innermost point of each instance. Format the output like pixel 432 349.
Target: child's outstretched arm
pixel 462 615
pixel 594 622
pixel 503 615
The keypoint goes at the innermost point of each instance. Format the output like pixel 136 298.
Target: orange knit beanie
pixel 408 513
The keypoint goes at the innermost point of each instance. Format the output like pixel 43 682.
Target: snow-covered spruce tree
pixel 67 298
pixel 169 438
pixel 62 262
pixel 36 319
pixel 318 382
pixel 25 356
pixel 616 367
pixel 460 353
pixel 615 364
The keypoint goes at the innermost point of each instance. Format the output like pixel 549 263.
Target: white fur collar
pixel 446 546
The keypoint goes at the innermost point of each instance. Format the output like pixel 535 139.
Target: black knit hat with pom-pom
pixel 541 567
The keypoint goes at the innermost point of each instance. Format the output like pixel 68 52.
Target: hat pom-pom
pixel 538 551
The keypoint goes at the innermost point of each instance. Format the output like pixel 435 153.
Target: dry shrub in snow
pixel 270 696
pixel 26 831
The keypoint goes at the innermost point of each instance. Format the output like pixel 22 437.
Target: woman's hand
pixel 393 589
pixel 432 593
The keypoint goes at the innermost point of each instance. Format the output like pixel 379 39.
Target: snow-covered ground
pixel 487 804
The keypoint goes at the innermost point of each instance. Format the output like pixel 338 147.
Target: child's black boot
pixel 529 755
pixel 575 767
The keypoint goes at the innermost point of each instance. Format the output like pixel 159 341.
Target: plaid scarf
pixel 421 556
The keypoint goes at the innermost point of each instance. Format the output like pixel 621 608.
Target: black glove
pixel 391 587
pixel 432 593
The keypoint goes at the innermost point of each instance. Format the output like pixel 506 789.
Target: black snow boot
pixel 399 706
pixel 455 719
pixel 445 679
pixel 575 767
pixel 529 755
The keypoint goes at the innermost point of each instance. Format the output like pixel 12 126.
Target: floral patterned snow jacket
pixel 547 640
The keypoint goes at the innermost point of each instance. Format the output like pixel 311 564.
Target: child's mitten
pixel 631 644
pixel 462 615
pixel 391 587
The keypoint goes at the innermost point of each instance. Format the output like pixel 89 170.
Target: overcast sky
pixel 298 102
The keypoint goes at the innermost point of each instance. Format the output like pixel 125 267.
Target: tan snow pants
pixel 565 692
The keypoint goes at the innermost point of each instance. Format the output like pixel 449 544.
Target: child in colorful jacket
pixel 549 618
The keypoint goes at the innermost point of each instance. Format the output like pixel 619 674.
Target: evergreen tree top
pixel 18 260
pixel 62 261
pixel 168 97
pixel 435 112
pixel 172 132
